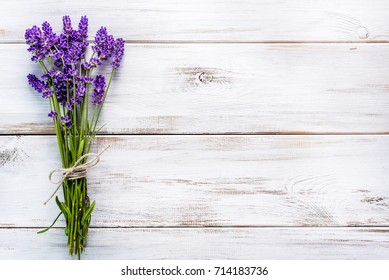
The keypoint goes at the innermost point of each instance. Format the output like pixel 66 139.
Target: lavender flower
pixel 50 38
pixel 71 45
pixel 48 32
pixel 66 121
pixel 80 94
pixel 52 114
pixel 59 80
pixel 118 52
pixel 69 106
pixel 49 74
pixel 35 39
pixel 37 84
pixel 84 79
pixel 83 28
pixel 104 44
pixel 93 62
pixel 61 87
pixel 47 93
pixel 86 199
pixel 67 50
pixel 86 65
pixel 67 24
pixel 98 93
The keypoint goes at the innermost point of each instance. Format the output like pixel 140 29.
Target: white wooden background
pixel 238 130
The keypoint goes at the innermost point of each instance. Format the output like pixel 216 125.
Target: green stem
pixel 72 143
pixel 98 110
pixel 46 229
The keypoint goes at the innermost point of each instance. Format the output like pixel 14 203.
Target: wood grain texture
pixel 196 181
pixel 223 88
pixel 212 67
pixel 218 243
pixel 205 20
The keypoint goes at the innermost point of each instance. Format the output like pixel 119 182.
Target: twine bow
pixel 77 171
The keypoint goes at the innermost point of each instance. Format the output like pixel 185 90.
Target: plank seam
pixel 218 227
pixel 141 42
pixel 214 134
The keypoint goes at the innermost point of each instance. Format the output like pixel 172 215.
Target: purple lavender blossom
pixel 37 84
pixel 48 32
pixel 67 51
pixel 69 106
pixel 98 93
pixel 86 65
pixel 50 38
pixel 83 28
pixel 60 53
pixel 59 80
pixel 118 52
pixel 35 39
pixel 84 79
pixel 80 94
pixel 47 93
pixel 86 199
pixel 66 121
pixel 93 62
pixel 52 114
pixel 71 45
pixel 104 44
pixel 67 24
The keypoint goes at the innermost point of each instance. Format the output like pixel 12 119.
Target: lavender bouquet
pixel 76 98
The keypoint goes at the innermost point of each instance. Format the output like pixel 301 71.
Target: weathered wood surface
pixel 204 20
pixel 194 181
pixel 223 88
pixel 213 67
pixel 215 243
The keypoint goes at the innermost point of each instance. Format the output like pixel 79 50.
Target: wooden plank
pixel 216 243
pixel 191 181
pixel 205 20
pixel 223 88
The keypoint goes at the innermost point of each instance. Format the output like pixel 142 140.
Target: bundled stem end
pixel 77 210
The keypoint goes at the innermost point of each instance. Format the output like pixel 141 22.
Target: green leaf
pixel 72 148
pixel 59 204
pixel 63 208
pixel 80 149
pixel 46 229
pixel 88 213
pixel 97 131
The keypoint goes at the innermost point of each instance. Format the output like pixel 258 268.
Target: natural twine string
pixel 77 171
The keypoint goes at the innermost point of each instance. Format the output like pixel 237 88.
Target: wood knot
pixel 205 78
pixel 362 32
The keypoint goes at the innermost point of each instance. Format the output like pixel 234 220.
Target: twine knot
pixel 77 171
